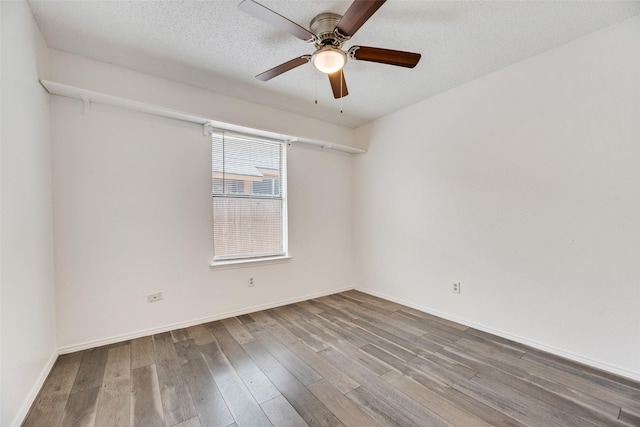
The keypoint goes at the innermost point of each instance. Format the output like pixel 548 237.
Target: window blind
pixel 249 189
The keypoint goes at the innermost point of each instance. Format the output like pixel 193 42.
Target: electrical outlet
pixel 456 287
pixel 155 297
pixel 250 282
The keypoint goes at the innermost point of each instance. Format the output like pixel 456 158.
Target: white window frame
pixel 256 260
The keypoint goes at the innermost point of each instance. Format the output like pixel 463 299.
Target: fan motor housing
pixel 323 26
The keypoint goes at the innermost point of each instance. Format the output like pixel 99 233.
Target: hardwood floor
pixel 347 359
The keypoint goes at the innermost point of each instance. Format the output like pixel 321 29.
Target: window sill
pixel 239 263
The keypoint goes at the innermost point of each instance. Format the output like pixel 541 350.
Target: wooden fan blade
pixel 283 68
pixel 338 84
pixel 385 56
pixel 358 13
pixel 267 15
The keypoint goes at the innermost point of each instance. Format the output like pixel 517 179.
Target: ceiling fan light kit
pixel 329 32
pixel 329 59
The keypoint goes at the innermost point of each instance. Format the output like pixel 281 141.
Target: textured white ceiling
pixel 213 45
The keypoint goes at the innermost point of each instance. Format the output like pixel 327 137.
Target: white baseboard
pixel 617 370
pixel 193 322
pixel 33 393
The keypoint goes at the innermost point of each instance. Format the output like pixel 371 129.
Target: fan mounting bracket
pixel 324 28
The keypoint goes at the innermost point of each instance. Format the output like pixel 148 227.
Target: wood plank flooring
pixel 347 359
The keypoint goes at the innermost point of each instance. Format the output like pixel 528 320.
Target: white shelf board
pixel 89 96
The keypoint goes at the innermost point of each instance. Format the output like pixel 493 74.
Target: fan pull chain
pixel 315 85
pixel 341 86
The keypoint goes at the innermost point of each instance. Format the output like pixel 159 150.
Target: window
pixel 266 186
pixel 249 197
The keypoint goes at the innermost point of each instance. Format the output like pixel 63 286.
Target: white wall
pixel 132 212
pixel 524 186
pixel 28 299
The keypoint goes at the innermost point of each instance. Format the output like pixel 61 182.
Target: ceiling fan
pixel 328 32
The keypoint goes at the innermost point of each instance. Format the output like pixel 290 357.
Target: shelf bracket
pixel 207 129
pixel 86 104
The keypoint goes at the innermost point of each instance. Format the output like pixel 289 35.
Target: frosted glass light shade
pixel 329 60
